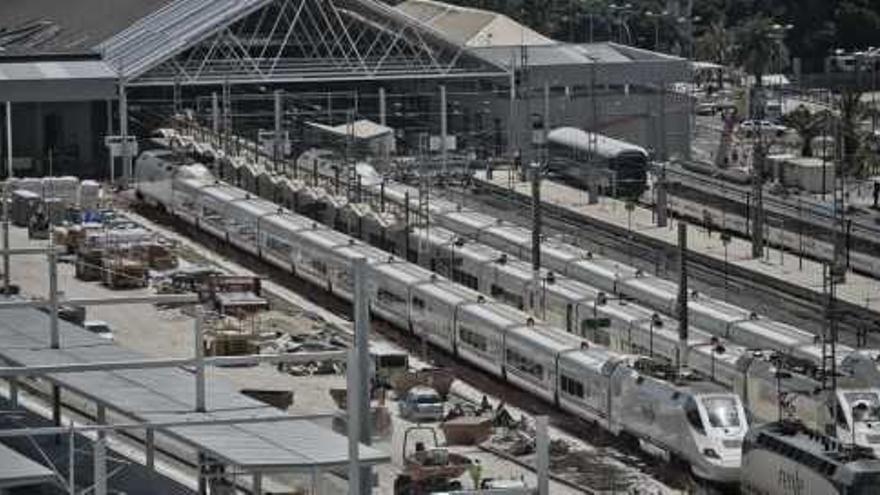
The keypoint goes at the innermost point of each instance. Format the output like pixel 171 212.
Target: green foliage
pixel 819 26
pixel 807 124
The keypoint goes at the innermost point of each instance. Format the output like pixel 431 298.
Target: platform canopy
pixel 17 470
pixel 55 80
pixel 192 42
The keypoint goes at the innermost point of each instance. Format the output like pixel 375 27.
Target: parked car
pixel 100 328
pixel 706 109
pixel 422 404
pixel 764 127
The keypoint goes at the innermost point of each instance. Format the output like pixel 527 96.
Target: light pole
pixel 780 375
pixel 655 322
pixel 657 17
pixel 619 12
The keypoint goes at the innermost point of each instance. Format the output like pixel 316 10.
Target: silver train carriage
pixel 787 458
pixel 698 423
pixel 619 167
pixel 631 328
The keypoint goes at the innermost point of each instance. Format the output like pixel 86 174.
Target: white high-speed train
pixel 699 423
pixel 631 328
pixel 717 317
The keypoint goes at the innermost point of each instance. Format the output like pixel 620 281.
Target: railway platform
pixel 784 269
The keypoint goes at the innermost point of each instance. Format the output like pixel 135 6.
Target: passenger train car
pixel 698 422
pixel 618 279
pixel 787 459
pixel 586 158
pixel 628 327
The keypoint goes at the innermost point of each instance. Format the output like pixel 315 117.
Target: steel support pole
pixel 110 163
pixel 257 486
pixel 682 301
pixel 215 114
pixel 13 393
pixel 443 128
pixel 662 199
pixel 354 424
pixel 536 237
pixel 542 445
pixel 123 132
pixel 6 197
pixel 279 111
pixel 56 405
pixel 545 145
pixel 100 454
pixel 199 353
pixel 150 448
pixel 362 331
pixel 54 336
pixel 383 108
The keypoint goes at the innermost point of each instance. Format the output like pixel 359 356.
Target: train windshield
pixel 865 406
pixel 722 411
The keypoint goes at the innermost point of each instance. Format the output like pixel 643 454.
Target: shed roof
pixel 167 394
pixel 17 470
pixel 472 27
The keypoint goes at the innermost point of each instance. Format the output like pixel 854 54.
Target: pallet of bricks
pixel 113 257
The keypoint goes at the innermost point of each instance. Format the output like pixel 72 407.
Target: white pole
pixel 100 459
pixel 200 361
pixel 542 444
pixel 54 337
pixel 443 127
pixel 354 468
pixel 362 330
pixel 123 132
pixel 7 192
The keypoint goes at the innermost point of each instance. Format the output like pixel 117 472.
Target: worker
pixel 475 470
pixel 876 192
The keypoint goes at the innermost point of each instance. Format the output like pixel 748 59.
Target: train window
pixel 277 244
pixel 722 411
pixel 387 297
pixel 418 304
pixel 465 279
pixel 508 297
pixel 524 364
pixel 473 339
pixel 571 386
pixel 692 413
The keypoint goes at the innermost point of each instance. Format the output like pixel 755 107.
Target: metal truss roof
pixel 258 41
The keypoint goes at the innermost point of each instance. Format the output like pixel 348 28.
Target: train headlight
pixel 711 454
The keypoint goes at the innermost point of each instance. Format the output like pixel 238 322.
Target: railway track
pixel 623 449
pixel 743 286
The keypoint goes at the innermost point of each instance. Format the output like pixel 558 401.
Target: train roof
pixel 656 285
pixel 291 222
pixel 580 139
pixel 596 358
pixel 499 314
pixel 514 234
pixel 824 454
pixel 447 291
pixel 407 273
pixel 542 337
pixel 256 207
pixel 472 219
pixel 326 238
pixel 726 312
pixel 631 313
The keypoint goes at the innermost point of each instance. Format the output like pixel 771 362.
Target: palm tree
pixel 756 44
pixel 851 111
pixel 716 45
pixel 807 124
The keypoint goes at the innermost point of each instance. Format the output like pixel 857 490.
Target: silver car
pixel 422 404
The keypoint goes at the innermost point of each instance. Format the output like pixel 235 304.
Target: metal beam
pixel 156 299
pixel 199 358
pixel 143 364
pixel 161 425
